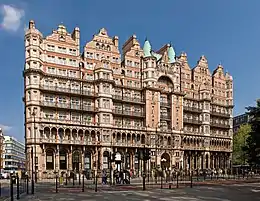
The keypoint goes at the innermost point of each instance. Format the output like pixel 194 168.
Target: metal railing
pixel 192 109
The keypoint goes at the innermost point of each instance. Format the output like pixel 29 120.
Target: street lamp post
pixel 157 141
pixel 34 149
pixel 32 170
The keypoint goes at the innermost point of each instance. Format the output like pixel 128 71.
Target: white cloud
pixel 5 128
pixel 25 28
pixel 12 18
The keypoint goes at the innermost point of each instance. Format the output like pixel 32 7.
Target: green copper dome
pixel 147 49
pixel 171 55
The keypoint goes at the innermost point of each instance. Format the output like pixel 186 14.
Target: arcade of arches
pixel 65 150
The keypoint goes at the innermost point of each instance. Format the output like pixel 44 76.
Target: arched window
pixel 76 160
pixel 63 160
pixel 87 161
pixel 105 160
pixel 49 160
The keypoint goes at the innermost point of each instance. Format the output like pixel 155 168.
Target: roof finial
pixel 146 39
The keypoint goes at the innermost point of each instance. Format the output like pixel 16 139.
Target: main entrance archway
pixel 165 161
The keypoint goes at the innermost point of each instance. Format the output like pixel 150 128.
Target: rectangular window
pixel 106 118
pixel 72 51
pixel 50 47
pixel 106 103
pixel 75 101
pixel 62 116
pixel 51 70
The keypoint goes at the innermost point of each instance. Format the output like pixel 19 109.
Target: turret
pixel 147 48
pixel 171 55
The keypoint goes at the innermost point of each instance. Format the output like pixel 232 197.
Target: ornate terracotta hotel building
pixel 82 106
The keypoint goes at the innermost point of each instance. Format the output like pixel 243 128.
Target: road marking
pixel 255 190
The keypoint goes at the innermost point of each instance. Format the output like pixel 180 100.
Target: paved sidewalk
pixel 200 193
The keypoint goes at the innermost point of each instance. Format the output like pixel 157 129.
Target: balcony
pixel 62 105
pixel 191 147
pixel 48 104
pixel 128 99
pixel 87 93
pixel 192 132
pixel 128 113
pixel 192 121
pixel 67 90
pixel 67 106
pixel 138 127
pixel 129 143
pixel 68 121
pixel 222 149
pixel 219 125
pixel 88 108
pixel 192 109
pixel 165 104
pixel 220 114
pixel 75 106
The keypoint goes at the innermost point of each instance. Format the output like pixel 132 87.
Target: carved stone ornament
pixel 171 70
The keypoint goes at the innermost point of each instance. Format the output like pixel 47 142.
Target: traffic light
pixel 147 154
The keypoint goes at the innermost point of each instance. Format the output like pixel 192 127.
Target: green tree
pixel 252 147
pixel 239 142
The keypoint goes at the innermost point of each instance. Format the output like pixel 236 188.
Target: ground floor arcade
pixel 54 159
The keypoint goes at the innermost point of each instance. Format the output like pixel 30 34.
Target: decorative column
pixel 57 159
pixel 83 159
pixel 70 159
pixel 199 162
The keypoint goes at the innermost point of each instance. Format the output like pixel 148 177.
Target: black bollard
pixel 170 185
pixel 11 189
pixel 83 185
pixel 96 183
pixel 56 183
pixel 66 183
pixel 161 182
pixel 27 184
pixel 73 179
pixel 177 181
pixel 143 182
pixel 191 180
pixel 79 179
pixel 18 188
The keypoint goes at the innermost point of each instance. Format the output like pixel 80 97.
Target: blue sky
pixel 226 32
